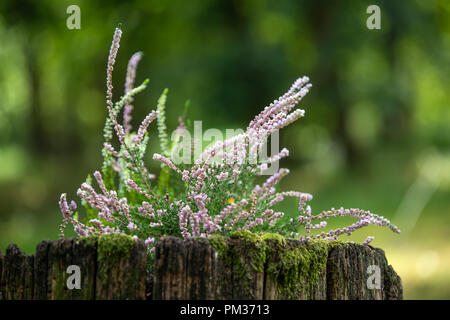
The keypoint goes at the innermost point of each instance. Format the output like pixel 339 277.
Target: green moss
pixel 252 252
pixel 336 243
pixel 293 267
pixel 297 268
pixel 112 247
pixel 247 235
pixel 220 244
pixel 275 237
pixel 244 259
pixel 88 240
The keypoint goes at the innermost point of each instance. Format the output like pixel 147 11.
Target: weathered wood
pixel 191 269
pixel 248 269
pixel 60 255
pixel 170 269
pixel 348 274
pixel 240 267
pixel 85 256
pixel 393 288
pixel 136 288
pixel 319 290
pixel 149 286
pixel 198 270
pixel 207 276
pixel 121 268
pixel 222 274
pixel 41 271
pixel 17 275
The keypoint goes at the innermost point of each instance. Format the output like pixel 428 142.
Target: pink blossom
pixel 129 83
pixel 143 127
pixel 166 161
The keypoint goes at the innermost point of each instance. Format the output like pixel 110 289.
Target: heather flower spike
pixel 129 84
pixel 207 197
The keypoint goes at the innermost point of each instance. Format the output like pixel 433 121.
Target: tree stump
pixel 17 275
pixel 347 274
pixel 244 266
pixel 121 268
pixel 267 269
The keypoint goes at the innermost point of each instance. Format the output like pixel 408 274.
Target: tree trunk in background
pixel 322 13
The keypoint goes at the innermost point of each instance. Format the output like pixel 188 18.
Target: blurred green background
pixel 376 134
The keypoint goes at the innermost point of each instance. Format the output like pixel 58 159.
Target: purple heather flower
pixel 224 213
pixel 155 224
pixel 133 185
pixel 111 61
pixel 185 176
pixel 137 139
pixel 166 161
pixel 73 205
pixel 183 215
pixel 132 226
pixel 275 178
pixel 149 241
pixel 109 230
pixel 110 149
pixel 129 83
pixel 222 176
pixel 80 231
pixel 368 240
pixel 101 184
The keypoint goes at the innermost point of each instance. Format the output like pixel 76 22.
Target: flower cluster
pixel 223 191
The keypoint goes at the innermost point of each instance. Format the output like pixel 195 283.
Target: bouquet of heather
pixel 219 193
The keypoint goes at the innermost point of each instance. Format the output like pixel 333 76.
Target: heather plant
pixel 224 190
